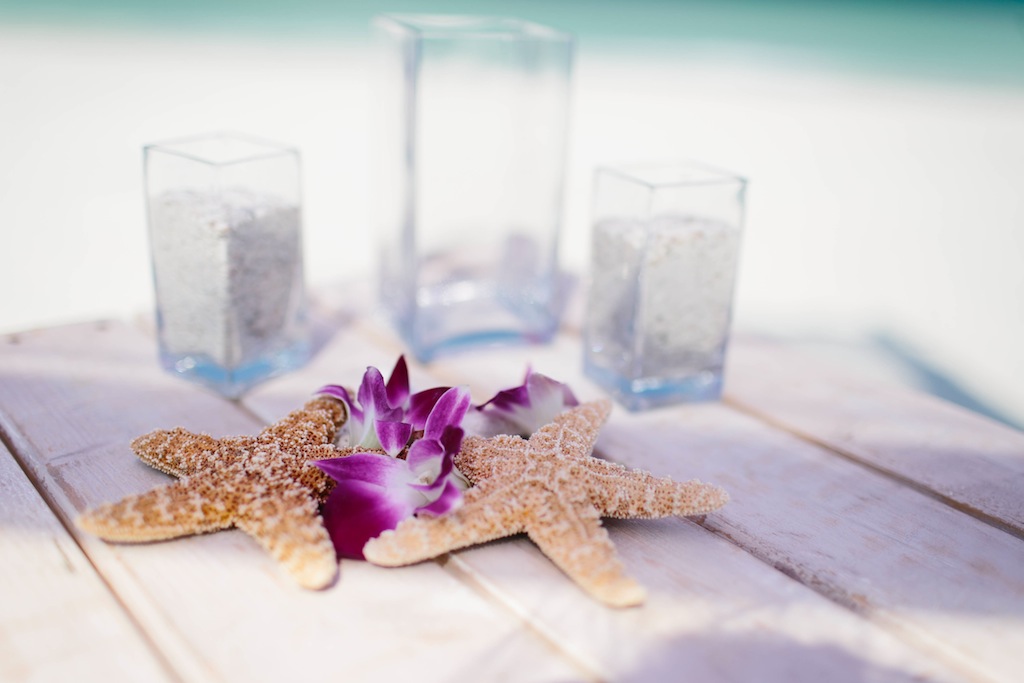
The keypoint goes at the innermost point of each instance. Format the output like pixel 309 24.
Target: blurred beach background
pixel 883 141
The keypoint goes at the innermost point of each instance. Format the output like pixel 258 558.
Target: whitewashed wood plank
pixel 58 621
pixel 713 613
pixel 944 582
pixel 710 600
pixel 216 606
pixel 971 461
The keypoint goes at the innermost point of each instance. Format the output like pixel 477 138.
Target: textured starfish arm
pixel 574 432
pixel 623 493
pixel 481 458
pixel 315 423
pixel 484 516
pixel 177 452
pixel 572 537
pixel 178 509
pixel 291 530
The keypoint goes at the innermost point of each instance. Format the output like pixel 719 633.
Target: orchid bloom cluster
pixel 404 448
pixel 522 410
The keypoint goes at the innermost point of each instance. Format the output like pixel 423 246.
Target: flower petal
pixel 448 411
pixel 508 399
pixel 335 390
pixel 357 511
pixel 373 395
pixel 548 399
pixel 449 500
pixel 522 410
pixel 423 453
pixel 486 422
pixel 398 383
pixel 543 389
pixel 420 405
pixel 372 468
pixel 443 468
pixel 393 435
pixel 451 439
pixel 340 392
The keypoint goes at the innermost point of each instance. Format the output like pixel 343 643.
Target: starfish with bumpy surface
pixel 260 484
pixel 550 487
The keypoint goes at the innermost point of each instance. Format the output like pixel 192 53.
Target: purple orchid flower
pixel 375 492
pixel 384 415
pixel 521 410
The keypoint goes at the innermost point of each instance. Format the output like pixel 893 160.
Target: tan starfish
pixel 549 487
pixel 260 484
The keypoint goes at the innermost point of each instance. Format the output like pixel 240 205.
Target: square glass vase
pixel 225 231
pixel 470 156
pixel 665 248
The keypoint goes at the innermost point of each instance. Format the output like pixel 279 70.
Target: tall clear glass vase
pixel 470 174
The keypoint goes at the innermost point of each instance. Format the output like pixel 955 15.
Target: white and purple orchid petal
pixel 393 436
pixel 357 511
pixel 397 388
pixel 509 399
pixel 448 411
pixel 340 392
pixel 524 409
pixel 372 468
pixel 449 500
pixel 548 400
pixel 459 479
pixel 364 436
pixel 542 388
pixel 435 476
pixel 424 452
pixel 373 395
pixel 391 415
pixel 335 390
pixel 451 439
pixel 420 405
pixel 487 423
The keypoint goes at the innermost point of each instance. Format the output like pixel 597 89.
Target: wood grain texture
pixel 58 621
pixel 965 458
pixel 937 579
pixel 217 606
pixel 819 568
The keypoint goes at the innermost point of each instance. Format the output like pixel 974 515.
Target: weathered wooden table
pixel 874 534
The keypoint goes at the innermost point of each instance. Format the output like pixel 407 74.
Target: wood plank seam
pixel 851 457
pixel 863 612
pixel 860 607
pixel 130 573
pixel 18 446
pixel 467 576
pixel 853 603
pixel 858 604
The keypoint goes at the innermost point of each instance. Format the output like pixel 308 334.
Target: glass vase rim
pixel 644 172
pixel 261 148
pixel 472 26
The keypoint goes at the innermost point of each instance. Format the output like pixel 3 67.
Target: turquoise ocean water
pixel 979 42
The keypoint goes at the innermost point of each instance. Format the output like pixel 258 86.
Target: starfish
pixel 551 488
pixel 259 484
